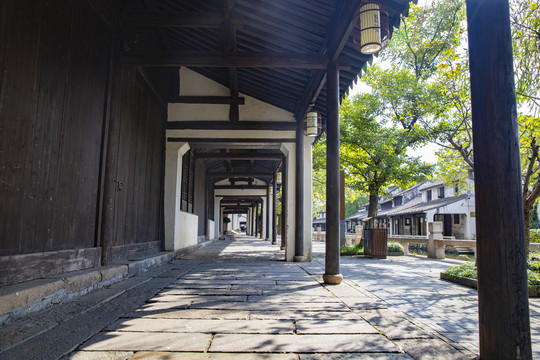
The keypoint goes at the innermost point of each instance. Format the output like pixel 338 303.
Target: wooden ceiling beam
pixel 216 100
pixel 240 156
pixel 227 125
pixel 183 19
pixel 232 60
pixel 240 187
pixel 240 174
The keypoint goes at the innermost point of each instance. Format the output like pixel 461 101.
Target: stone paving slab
pixel 301 343
pixel 355 326
pixel 164 306
pixel 361 303
pixel 268 306
pixel 210 291
pixel 354 356
pixel 298 315
pixel 197 298
pixel 204 326
pixel 99 355
pixel 139 341
pixel 422 349
pixel 191 314
pixel 293 298
pixel 393 309
pixel 303 291
pixel 209 356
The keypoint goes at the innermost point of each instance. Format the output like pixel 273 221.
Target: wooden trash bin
pixel 375 243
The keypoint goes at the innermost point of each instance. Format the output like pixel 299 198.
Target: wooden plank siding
pixel 136 147
pixel 54 76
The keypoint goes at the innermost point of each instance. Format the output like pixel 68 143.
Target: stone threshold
pixel 19 300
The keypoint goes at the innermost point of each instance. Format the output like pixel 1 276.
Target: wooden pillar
pixel 261 235
pixel 501 253
pixel 274 215
pixel 284 209
pixel 256 219
pixel 299 195
pixel 267 212
pixel 331 274
pixel 254 212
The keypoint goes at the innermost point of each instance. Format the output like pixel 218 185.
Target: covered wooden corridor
pixel 128 128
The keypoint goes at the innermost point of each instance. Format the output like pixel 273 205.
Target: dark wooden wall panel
pixel 136 152
pixel 54 70
pixel 20 44
pixel 55 66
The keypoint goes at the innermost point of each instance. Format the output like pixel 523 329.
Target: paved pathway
pixel 238 300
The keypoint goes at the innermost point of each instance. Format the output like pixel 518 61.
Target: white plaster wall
pixel 193 84
pixel 289 151
pixel 232 134
pixel 187 230
pixel 211 229
pixel 264 208
pixel 239 192
pixel 217 216
pixel 172 188
pixel 464 207
pixel 308 201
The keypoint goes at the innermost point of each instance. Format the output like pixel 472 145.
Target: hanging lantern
pixel 278 178
pixel 370 31
pixel 313 123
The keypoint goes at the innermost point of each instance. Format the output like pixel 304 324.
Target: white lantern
pixel 370 28
pixel 312 128
pixel 278 178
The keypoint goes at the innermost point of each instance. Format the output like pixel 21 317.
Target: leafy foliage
pixel 467 270
pixel 395 247
pixel 352 250
pixel 373 155
pixel 525 21
pixel 535 235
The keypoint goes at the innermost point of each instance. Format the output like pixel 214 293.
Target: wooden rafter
pixel 183 19
pixel 238 59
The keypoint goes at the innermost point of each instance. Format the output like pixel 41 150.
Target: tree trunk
pixel 373 204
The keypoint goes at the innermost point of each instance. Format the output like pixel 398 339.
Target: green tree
pixel 525 22
pixel 353 197
pixel 418 48
pixel 372 153
pixel 447 120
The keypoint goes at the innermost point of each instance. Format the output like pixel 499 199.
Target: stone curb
pixel 534 290
pixel 19 300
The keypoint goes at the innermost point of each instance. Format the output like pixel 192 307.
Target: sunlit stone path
pixel 239 300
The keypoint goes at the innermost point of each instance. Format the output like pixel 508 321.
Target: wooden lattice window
pixel 188 182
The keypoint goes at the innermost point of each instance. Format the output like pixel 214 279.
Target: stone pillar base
pixel 332 279
pixel 267 239
pixel 282 248
pixel 274 242
pixel 299 259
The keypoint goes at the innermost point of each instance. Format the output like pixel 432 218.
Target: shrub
pixel 467 270
pixel 533 278
pixel 352 250
pixel 534 262
pixel 535 235
pixel 395 247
